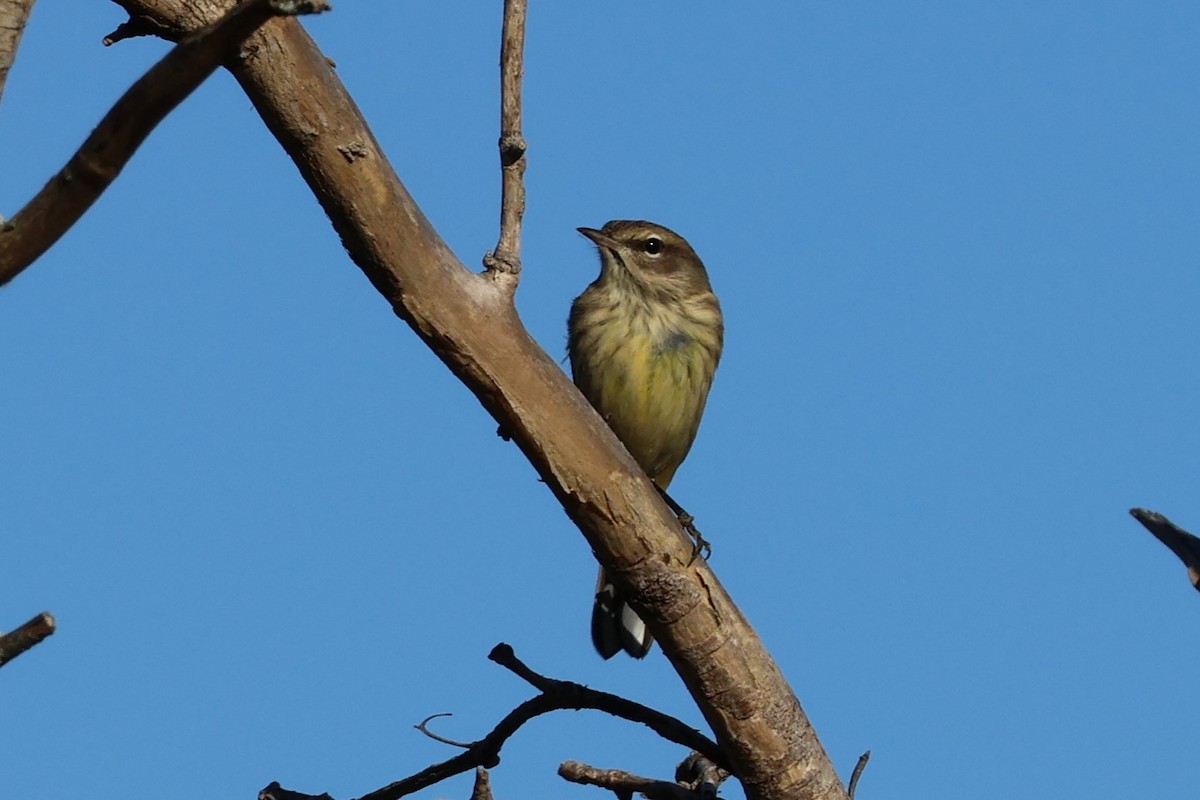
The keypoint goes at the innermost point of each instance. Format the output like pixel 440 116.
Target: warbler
pixel 644 340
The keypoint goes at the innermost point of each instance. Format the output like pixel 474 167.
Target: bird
pixel 644 340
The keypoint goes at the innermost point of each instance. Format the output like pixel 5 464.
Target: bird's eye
pixel 653 245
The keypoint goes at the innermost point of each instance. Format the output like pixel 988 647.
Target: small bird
pixel 644 341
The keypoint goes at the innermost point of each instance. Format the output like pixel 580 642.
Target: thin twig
pixel 15 642
pixel 96 164
pixel 506 258
pixel 423 728
pixel 858 771
pixel 580 696
pixel 505 656
pixel 13 16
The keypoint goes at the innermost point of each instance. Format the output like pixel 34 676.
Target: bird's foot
pixel 700 545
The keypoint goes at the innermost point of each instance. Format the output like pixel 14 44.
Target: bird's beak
pixel 601 238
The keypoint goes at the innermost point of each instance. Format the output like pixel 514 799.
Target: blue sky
pixel 956 246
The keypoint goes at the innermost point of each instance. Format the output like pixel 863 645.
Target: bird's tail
pixel 615 626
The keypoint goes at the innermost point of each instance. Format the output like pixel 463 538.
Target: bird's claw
pixel 700 545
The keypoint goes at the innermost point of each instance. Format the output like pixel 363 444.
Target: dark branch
pixel 15 642
pixel 276 792
pixel 507 255
pixel 138 25
pixel 97 163
pixel 858 771
pixel 579 696
pixel 1181 543
pixel 556 696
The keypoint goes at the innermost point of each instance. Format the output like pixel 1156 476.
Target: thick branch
pixel 469 322
pixel 96 164
pixel 13 16
pixel 15 642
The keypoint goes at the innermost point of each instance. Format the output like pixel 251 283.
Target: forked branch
pixel 555 695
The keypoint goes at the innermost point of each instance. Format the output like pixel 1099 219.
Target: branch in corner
pixel 96 164
pixel 13 16
pixel 33 632
pixel 556 695
pixel 1183 544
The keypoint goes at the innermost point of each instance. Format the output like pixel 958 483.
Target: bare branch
pixel 13 16
pixel 423 727
pixel 1183 544
pixel 624 784
pixel 578 696
pixel 483 785
pixel 276 792
pixel 139 26
pixel 15 642
pixel 100 159
pixel 556 696
pixel 507 255
pixel 858 771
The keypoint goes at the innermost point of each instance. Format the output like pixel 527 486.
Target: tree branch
pixel 13 16
pixel 96 164
pixel 580 696
pixel 470 323
pixel 507 255
pixel 700 774
pixel 17 641
pixel 858 771
pixel 624 784
pixel 555 695
pixel 482 789
pixel 1183 544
